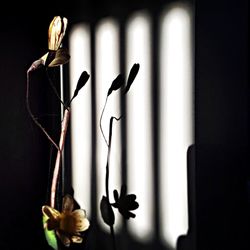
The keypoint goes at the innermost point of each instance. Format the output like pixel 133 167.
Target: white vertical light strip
pixel 79 49
pixel 107 69
pixel 139 125
pixel 176 119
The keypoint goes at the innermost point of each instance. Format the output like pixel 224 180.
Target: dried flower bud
pixel 56 32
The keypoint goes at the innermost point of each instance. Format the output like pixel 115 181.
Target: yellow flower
pixel 56 32
pixel 55 56
pixel 68 224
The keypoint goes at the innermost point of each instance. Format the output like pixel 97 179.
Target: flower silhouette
pixel 125 202
pixel 68 224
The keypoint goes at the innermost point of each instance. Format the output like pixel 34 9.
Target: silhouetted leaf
pixel 125 202
pixel 107 211
pixel 81 82
pixel 61 57
pixel 116 84
pixel 132 74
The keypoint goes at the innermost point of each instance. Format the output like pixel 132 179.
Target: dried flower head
pixel 69 224
pixel 56 55
pixel 56 32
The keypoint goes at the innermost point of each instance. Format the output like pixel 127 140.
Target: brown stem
pixel 35 65
pixel 65 123
pixel 29 109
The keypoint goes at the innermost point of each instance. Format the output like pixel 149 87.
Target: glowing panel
pixel 176 119
pixel 139 125
pixel 107 69
pixel 79 49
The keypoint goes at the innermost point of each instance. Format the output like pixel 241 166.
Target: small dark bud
pixel 116 84
pixel 81 82
pixel 132 74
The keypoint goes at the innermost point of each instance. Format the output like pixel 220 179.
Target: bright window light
pixel 80 115
pixel 176 119
pixel 107 69
pixel 139 126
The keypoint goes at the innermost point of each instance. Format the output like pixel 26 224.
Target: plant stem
pixel 107 166
pixel 59 157
pixel 113 236
pixel 54 89
pixel 101 121
pixel 107 174
pixel 31 114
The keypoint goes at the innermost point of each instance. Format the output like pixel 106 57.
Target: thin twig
pixel 100 123
pixel 107 173
pixel 65 123
pixel 113 236
pixel 55 90
pixel 109 149
pixel 32 116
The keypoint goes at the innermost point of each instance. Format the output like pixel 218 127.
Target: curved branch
pixel 100 123
pixel 65 123
pixel 54 89
pixel 33 117
pixel 107 172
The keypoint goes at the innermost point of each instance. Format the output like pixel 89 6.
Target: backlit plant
pixel 67 222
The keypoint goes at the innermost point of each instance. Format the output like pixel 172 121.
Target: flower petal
pixel 61 57
pixel 68 204
pixel 65 239
pixel 50 212
pixel 116 195
pixel 130 202
pixel 44 58
pixel 76 239
pixel 51 218
pixel 56 32
pixel 81 222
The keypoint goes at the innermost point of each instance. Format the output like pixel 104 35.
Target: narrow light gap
pixel 139 125
pixel 79 49
pixel 176 119
pixel 107 69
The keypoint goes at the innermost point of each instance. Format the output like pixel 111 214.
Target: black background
pixel 221 174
